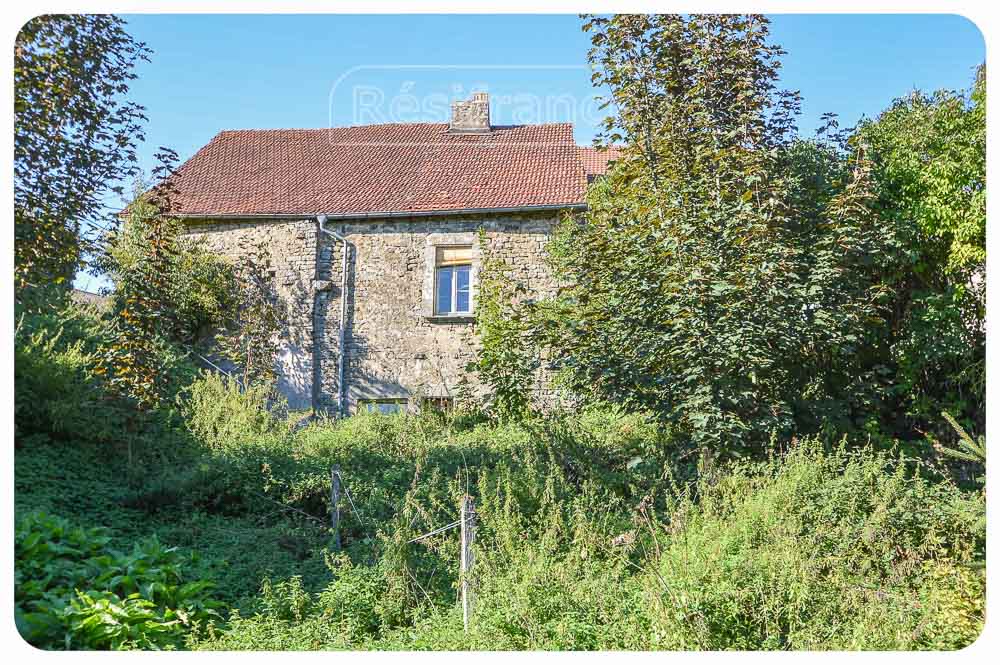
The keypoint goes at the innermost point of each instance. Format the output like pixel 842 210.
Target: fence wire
pixel 436 531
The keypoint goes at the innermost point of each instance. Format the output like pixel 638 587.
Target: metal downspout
pixel 341 351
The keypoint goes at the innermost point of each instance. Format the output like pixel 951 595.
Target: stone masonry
pixel 395 346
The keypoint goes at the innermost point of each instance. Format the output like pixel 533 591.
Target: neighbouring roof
pixel 595 162
pixel 396 168
pixel 88 298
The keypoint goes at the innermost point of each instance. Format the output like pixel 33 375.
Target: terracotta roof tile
pixel 417 167
pixel 595 162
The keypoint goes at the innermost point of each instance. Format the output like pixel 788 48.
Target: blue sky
pixel 214 72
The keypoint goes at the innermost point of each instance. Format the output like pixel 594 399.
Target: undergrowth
pixel 598 529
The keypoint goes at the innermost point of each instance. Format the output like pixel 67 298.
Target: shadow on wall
pixel 294 362
pixel 294 375
pixel 372 371
pixel 392 350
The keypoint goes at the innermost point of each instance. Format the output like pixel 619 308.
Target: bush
pixel 59 396
pixel 810 551
pixel 63 392
pixel 221 413
pixel 505 361
pixel 73 592
pixel 597 531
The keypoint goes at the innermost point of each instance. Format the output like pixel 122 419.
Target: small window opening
pixel 452 285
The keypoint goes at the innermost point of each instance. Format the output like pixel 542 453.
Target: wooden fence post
pixel 468 519
pixel 335 504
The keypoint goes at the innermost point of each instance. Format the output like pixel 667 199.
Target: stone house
pixel 373 234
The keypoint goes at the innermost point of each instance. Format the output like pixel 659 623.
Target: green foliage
pixel 139 262
pixel 929 166
pixel 74 133
pixel 62 392
pixel 505 362
pixel 739 281
pixel 58 395
pixel 821 551
pixel 251 329
pixel 930 155
pixel 809 550
pixel 170 289
pixel 73 592
pixel 695 289
pixel 596 532
pixel 195 285
pixel 969 450
pixel 219 412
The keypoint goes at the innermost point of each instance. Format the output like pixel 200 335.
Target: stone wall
pixel 396 347
pixel 292 245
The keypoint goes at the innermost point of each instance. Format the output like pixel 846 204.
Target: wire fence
pixel 466 521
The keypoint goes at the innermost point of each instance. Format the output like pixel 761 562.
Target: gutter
pixel 386 214
pixel 341 351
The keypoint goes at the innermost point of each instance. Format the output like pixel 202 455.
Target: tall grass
pixel 598 529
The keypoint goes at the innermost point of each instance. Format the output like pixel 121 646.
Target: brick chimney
pixel 471 116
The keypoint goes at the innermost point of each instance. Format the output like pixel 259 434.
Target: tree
pixel 929 168
pixel 250 329
pixel 505 362
pixel 169 289
pixel 929 152
pixel 74 135
pixel 196 288
pixel 140 260
pixel 699 287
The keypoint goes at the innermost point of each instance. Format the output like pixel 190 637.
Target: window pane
pixel 384 406
pixel 444 276
pixel 462 288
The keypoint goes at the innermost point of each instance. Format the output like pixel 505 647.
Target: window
pixel 391 405
pixel 384 406
pixel 452 274
pixel 442 404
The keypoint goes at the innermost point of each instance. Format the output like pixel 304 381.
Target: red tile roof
pixel 381 168
pixel 595 162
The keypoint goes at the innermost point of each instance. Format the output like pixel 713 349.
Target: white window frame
pixel 434 242
pixel 453 297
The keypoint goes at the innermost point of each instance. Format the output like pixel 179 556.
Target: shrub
pixel 222 413
pixel 73 592
pixel 505 362
pixel 165 283
pixel 808 551
pixel 58 394
pixel 63 394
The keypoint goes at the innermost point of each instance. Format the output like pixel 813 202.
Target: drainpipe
pixel 341 392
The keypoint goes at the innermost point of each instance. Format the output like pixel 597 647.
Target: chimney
pixel 471 116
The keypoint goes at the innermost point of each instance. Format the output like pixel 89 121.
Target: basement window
pixel 442 404
pixel 387 406
pixel 384 406
pixel 452 280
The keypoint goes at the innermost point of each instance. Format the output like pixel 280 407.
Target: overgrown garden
pixel 772 350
